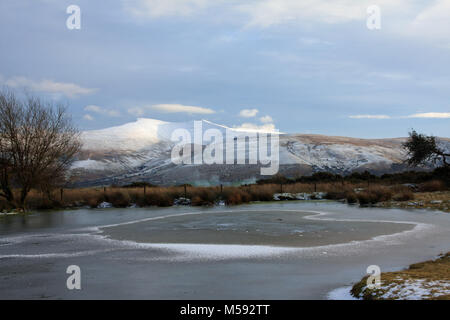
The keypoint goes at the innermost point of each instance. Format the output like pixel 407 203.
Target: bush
pixel 235 196
pixel 198 201
pixel 381 193
pixel 366 198
pixel 138 184
pixel 93 202
pixel 118 199
pixel 158 199
pixel 204 196
pixel 431 186
pixel 233 199
pixel 165 201
pixel 351 197
pixel 261 195
pixel 403 196
pixel 374 195
pixel 336 195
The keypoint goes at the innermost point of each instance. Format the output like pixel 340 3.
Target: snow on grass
pixel 416 289
pixel 407 289
pixel 105 205
pixel 299 196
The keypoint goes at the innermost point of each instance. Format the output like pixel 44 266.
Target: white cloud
pixel 370 116
pixel 88 117
pixel 431 115
pixel 248 113
pixel 266 13
pixel 256 13
pixel 314 41
pixel 224 39
pixel 169 108
pixel 403 17
pixel 70 90
pixel 103 111
pixel 266 119
pixel 161 8
pixel 391 75
pixel 137 111
pixel 433 21
pixel 93 108
pixel 179 108
pixel 270 127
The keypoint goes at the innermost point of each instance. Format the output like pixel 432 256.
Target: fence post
pixel 185 193
pixel 281 188
pixel 104 189
pixel 145 187
pixel 315 187
pixel 221 189
pixel 62 191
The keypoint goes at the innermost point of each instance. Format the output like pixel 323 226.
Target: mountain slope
pixel 141 151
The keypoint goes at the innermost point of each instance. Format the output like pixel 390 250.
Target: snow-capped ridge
pixel 144 133
pixel 142 151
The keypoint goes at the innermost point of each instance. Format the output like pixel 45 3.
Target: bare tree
pixel 422 149
pixel 37 145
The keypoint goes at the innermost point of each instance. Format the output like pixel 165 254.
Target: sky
pixel 309 66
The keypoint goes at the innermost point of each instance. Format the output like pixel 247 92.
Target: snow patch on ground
pixel 8 213
pixel 89 164
pixel 416 289
pixel 104 205
pixel 340 155
pixel 299 196
pixel 341 294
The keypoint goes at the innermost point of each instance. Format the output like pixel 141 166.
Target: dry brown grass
pixel 432 186
pixel 165 196
pixel 439 200
pixel 403 196
pixel 374 195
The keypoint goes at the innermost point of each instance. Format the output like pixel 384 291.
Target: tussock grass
pixel 431 186
pixel 374 195
pixel 438 200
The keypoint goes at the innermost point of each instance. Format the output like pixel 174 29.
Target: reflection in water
pixel 31 221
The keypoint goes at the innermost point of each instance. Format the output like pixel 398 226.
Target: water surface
pixel 290 250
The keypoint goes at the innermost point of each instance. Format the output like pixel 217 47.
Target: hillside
pixel 141 151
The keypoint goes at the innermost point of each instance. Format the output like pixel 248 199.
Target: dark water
pixel 291 250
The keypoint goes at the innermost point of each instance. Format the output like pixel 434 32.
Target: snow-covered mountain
pixel 141 151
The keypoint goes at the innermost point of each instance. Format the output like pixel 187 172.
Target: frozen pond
pixel 289 250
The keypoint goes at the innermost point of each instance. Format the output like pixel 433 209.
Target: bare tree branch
pixel 37 145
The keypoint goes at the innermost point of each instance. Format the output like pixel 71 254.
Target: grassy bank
pixel 427 195
pixel 437 200
pixel 424 280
